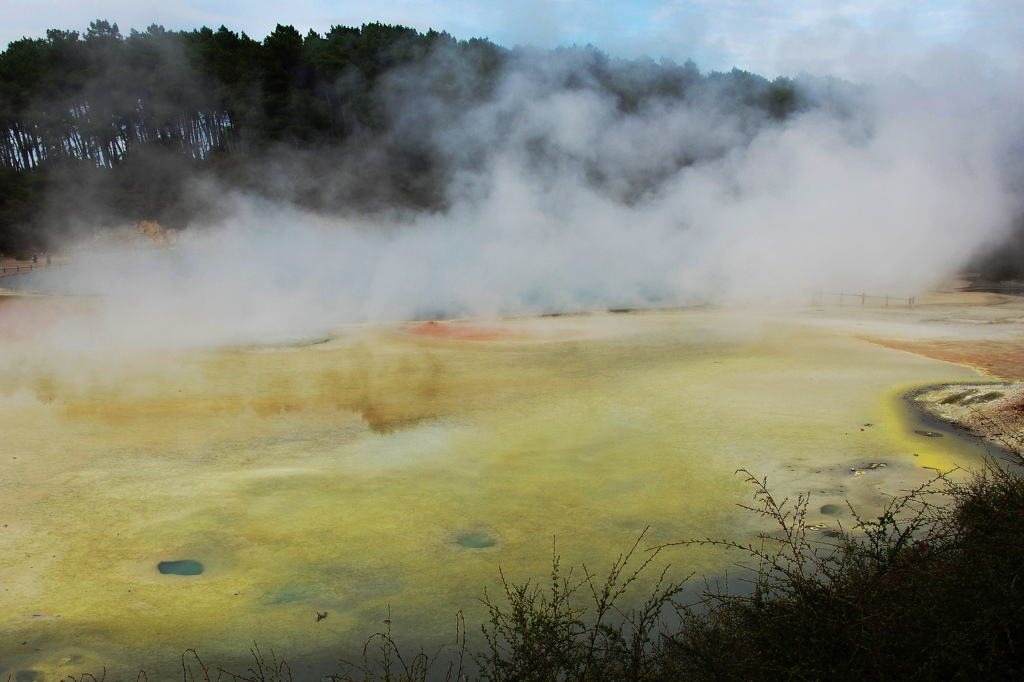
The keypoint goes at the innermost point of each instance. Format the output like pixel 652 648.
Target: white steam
pixel 887 198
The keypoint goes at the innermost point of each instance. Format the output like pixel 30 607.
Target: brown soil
pixel 1002 359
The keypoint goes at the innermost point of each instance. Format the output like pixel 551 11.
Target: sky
pixel 769 37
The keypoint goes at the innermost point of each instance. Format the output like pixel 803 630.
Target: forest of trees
pixel 101 127
pixel 97 97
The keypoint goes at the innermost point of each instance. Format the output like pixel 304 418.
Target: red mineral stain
pixel 21 318
pixel 459 332
pixel 1002 359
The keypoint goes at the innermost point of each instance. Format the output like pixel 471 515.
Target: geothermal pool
pixel 401 465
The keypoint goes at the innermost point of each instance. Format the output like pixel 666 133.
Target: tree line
pixel 102 110
pixel 95 97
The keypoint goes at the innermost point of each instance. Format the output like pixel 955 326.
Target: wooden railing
pixel 17 269
pixel 822 297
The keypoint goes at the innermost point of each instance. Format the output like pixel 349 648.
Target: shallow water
pixel 389 467
pixel 180 567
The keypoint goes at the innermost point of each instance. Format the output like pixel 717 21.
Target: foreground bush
pixel 928 592
pixel 931 590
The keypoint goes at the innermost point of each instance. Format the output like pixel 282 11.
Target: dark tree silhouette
pixel 132 118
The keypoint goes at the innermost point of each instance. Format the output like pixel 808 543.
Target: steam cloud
pixel 558 201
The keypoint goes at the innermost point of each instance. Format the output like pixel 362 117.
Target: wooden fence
pixel 823 297
pixel 17 269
